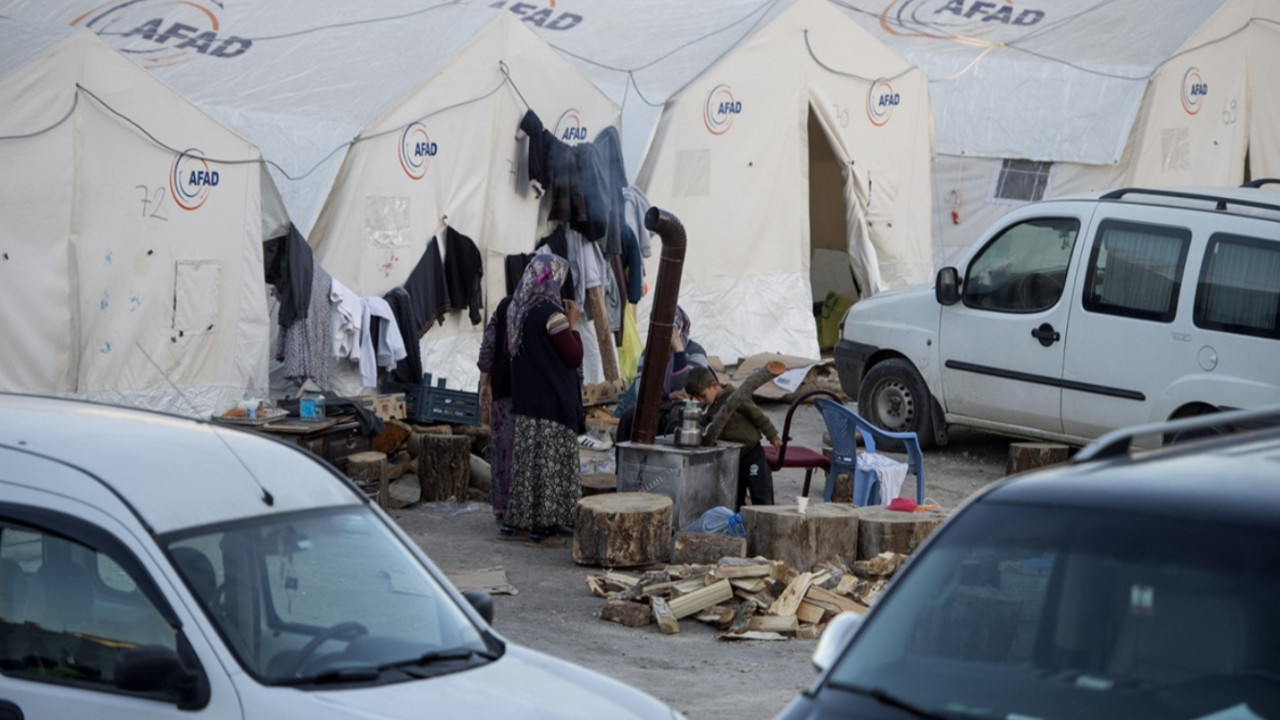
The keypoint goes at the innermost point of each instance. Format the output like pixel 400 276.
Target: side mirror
pixel 152 668
pixel 482 602
pixel 839 630
pixel 946 288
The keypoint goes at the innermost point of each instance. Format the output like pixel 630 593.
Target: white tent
pixel 131 226
pixel 333 92
pixel 792 145
pixel 1046 98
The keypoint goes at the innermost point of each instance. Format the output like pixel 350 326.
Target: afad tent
pixel 131 233
pixel 1045 98
pixel 793 146
pixel 382 123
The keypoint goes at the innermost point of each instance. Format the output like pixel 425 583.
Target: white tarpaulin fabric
pixel 132 233
pixel 381 122
pixel 731 110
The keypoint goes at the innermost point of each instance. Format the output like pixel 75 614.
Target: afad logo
pixel 162 32
pixel 945 19
pixel 1194 91
pixel 416 150
pixel 540 14
pixel 719 110
pixel 190 179
pixel 881 100
pixel 569 128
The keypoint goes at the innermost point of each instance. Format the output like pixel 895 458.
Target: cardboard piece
pixel 493 580
pixel 798 370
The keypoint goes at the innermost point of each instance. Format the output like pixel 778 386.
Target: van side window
pixel 1024 268
pixel 1135 270
pixel 1239 289
pixel 62 616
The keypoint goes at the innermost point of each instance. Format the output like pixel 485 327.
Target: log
pixel 773 623
pixel 830 601
pixel 622 529
pixel 662 615
pixel 740 394
pixel 604 335
pixel 789 601
pixel 699 600
pixel 404 492
pixel 481 475
pixel 843 490
pixel 707 548
pixel 808 613
pixel 369 471
pixel 597 483
pixel 444 467
pixel 827 531
pixel 742 615
pixel 625 612
pixel 399 464
pixel 1024 456
pixel 883 530
pixel 394 433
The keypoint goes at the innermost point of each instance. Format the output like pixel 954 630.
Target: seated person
pixel 746 426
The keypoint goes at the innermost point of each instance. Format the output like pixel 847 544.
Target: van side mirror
pixel 946 289
pixel 835 638
pixel 482 602
pixel 152 668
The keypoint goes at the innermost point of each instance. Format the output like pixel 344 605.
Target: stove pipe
pixel 657 349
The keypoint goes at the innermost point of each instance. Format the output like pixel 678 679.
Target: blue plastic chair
pixel 844 426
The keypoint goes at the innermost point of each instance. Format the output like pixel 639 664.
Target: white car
pixel 159 567
pixel 1076 316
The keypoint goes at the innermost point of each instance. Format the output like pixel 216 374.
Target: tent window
pixel 1022 180
pixel 196 296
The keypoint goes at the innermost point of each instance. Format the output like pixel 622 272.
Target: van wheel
pixel 894 397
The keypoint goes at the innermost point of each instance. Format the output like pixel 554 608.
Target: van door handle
pixel 1046 334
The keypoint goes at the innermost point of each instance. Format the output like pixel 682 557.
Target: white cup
pixel 802 504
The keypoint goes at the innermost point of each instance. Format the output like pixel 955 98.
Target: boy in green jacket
pixel 745 426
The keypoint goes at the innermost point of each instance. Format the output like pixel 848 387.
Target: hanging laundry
pixel 464 272
pixel 381 345
pixel 346 321
pixel 428 290
pixel 306 346
pixel 635 206
pixel 287 265
pixel 409 368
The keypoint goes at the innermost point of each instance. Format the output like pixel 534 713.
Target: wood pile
pixel 744 598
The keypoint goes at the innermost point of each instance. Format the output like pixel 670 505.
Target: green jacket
pixel 745 426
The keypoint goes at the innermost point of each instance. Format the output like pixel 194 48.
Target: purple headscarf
pixel 540 283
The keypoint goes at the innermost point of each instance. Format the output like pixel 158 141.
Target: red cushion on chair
pixel 796 456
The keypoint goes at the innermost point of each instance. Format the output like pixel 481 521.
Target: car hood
pixel 521 684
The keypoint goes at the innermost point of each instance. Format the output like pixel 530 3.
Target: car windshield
pixel 1047 612
pixel 325 597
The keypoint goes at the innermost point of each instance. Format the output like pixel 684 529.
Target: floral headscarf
pixel 540 283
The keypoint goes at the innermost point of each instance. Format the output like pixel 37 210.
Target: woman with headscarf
pixel 495 399
pixel 546 400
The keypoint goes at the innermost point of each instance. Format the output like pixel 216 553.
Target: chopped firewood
pixel 623 579
pixel 848 585
pixel 625 612
pixel 821 577
pixel 742 615
pixel 597 586
pixel 882 565
pixel 750 585
pixel 808 632
pixel 763 599
pixel 751 635
pixel 790 598
pixel 826 599
pixel 679 572
pixel 705 597
pixel 740 571
pixel 642 586
pixel 714 614
pixel 810 613
pixel 773 623
pixel 662 614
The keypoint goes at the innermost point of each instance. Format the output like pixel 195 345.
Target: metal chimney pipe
pixel 657 349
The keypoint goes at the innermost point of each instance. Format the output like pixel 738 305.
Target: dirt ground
pixel 552 610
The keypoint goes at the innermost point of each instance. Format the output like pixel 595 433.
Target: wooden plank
pixel 662 615
pixel 790 598
pixel 773 623
pixel 713 594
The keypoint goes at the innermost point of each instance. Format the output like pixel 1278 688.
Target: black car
pixel 1123 584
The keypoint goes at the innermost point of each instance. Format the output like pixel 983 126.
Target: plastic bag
pixel 721 520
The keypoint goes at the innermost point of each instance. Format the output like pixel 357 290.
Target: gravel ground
pixel 695 673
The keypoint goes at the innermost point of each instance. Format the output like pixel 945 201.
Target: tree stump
pixel 1024 456
pixel 444 467
pixel 693 548
pixel 827 531
pixel 369 471
pixel 597 483
pixel 622 529
pixel 883 530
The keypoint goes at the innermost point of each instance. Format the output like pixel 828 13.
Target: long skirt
pixel 545 475
pixel 503 424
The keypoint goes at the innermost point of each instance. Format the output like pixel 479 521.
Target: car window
pixel 1027 611
pixel 67 609
pixel 1239 288
pixel 1024 268
pixel 1135 270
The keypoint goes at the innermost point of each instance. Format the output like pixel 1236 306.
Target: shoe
pixel 548 541
pixel 511 532
pixel 591 442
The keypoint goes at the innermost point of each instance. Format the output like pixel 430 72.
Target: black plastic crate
pixel 427 404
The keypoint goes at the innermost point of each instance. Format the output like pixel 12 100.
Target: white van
pixel 158 567
pixel 1076 316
